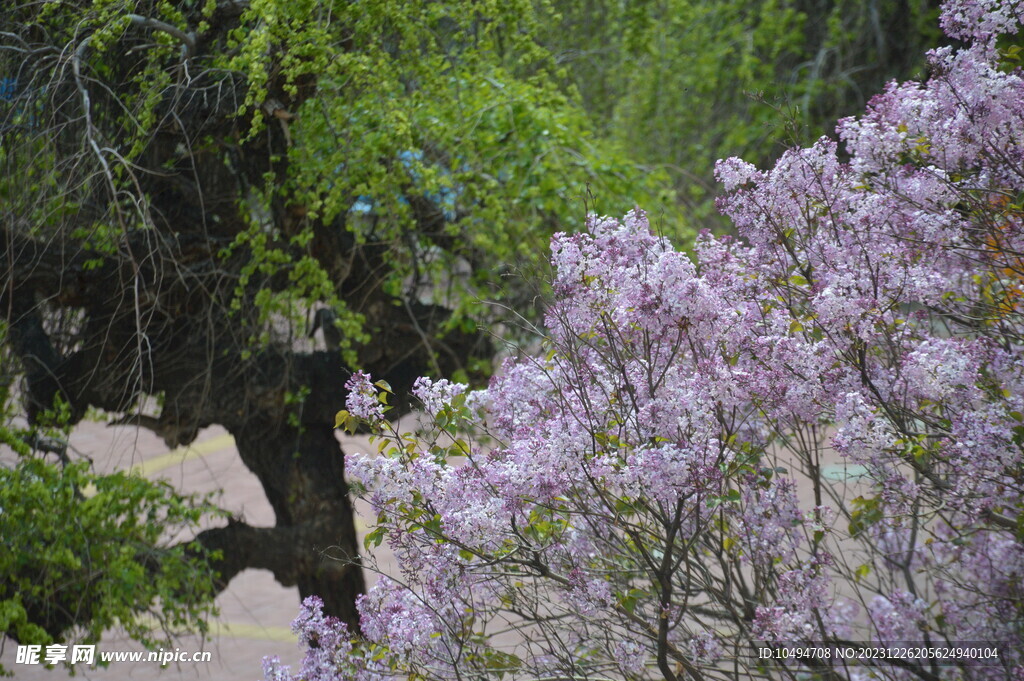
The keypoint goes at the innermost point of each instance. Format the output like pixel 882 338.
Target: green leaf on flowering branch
pixel 374 537
pixel 501 662
pixel 731 497
pixel 433 526
pixel 631 598
pixel 866 513
pixel 343 419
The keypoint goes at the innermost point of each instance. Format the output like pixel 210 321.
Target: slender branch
pixel 188 40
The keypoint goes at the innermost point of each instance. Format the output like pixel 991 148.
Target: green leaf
pixel 341 418
pixel 374 537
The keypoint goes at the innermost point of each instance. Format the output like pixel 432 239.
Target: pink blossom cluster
pixel 434 395
pixel 647 495
pixel 981 19
pixel 329 650
pixel 362 400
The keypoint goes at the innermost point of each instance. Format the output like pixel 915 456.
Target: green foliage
pixel 444 122
pixel 268 258
pixel 682 83
pixel 82 554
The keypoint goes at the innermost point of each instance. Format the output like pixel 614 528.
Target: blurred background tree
pixel 682 83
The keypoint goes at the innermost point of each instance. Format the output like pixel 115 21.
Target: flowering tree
pixel 649 497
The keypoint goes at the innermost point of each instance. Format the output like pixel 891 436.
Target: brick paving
pixel 255 611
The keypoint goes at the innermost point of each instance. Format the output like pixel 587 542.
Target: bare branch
pixel 188 40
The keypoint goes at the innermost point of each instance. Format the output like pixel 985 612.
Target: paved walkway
pixel 255 611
